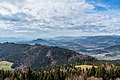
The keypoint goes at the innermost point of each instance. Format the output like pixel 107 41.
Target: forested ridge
pixel 38 56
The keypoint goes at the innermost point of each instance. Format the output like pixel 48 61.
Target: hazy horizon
pixel 33 38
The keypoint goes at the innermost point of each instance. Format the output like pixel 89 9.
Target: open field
pixel 6 65
pixel 84 66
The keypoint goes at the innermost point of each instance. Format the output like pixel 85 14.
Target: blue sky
pixel 50 18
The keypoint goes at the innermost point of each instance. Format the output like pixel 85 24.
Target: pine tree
pixel 22 76
pixel 29 75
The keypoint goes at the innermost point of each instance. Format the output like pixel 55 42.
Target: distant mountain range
pixel 84 42
pixel 91 45
pixel 37 56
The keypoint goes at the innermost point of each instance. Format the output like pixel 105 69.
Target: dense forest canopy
pixel 65 72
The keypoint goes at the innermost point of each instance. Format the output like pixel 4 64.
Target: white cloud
pixel 24 31
pixel 44 9
pixel 34 15
pixel 6 26
pixel 8 8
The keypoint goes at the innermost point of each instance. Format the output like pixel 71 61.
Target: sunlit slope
pixel 6 65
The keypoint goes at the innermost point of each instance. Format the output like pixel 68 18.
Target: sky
pixel 51 18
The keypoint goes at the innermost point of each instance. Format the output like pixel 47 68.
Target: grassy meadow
pixel 5 65
pixel 84 66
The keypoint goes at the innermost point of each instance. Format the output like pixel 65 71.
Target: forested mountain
pixel 101 47
pixel 97 46
pixel 36 56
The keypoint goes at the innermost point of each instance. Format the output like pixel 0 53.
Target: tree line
pixel 66 72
